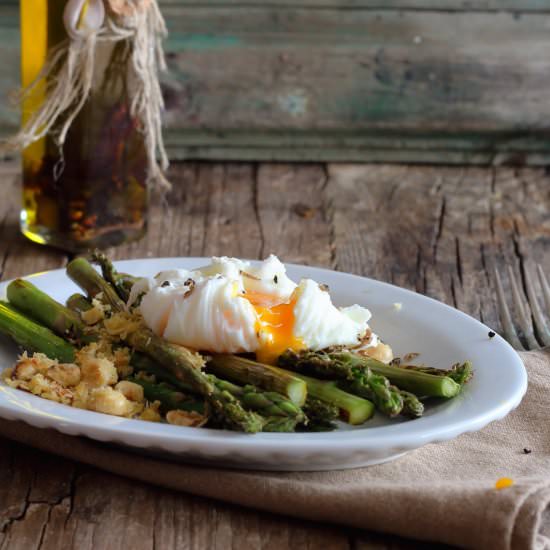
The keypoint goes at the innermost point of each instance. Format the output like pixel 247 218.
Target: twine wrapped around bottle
pixel 89 22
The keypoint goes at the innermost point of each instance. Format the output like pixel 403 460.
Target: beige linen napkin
pixel 443 492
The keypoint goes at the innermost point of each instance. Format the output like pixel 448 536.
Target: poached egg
pixel 233 306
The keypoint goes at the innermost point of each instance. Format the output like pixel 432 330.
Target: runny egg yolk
pixel 275 326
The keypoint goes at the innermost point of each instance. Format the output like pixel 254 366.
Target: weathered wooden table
pixel 439 231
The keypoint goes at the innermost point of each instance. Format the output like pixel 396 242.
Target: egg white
pixel 223 307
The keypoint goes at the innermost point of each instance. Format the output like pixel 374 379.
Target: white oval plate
pixel 440 333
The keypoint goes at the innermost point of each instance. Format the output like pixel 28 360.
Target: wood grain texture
pixel 436 230
pixel 347 81
pixel 432 5
pixel 438 5
pixel 441 231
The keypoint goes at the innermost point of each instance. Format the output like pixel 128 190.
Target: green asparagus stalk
pixel 280 424
pixel 168 396
pixel 419 383
pixel 461 373
pixel 31 301
pixel 412 406
pixel 184 364
pixel 321 415
pixel 122 282
pixel 354 410
pixel 87 278
pixel 270 403
pixel 245 371
pixel 230 413
pixel 346 365
pixel 316 363
pixel 142 363
pixel 376 388
pixel 358 381
pixel 266 403
pixel 226 409
pixel 78 303
pixel 33 337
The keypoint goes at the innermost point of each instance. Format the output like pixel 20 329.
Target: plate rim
pixel 210 440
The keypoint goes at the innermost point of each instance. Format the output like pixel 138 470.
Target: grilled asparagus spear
pixel 271 378
pixel 31 301
pixel 122 282
pixel 33 337
pixel 353 409
pixel 345 365
pixel 267 403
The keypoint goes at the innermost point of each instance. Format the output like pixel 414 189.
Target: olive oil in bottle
pixel 91 191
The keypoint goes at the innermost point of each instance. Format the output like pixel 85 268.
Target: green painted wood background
pixel 449 81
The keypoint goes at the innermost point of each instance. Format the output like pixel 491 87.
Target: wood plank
pixel 434 229
pixel 432 5
pixel 435 5
pixel 110 512
pixel 450 228
pixel 293 213
pixel 328 70
pixel 287 82
pixel 333 151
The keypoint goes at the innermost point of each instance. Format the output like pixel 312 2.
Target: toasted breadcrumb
pixel 81 394
pixel 95 349
pixel 66 374
pixel 27 366
pixel 151 412
pixel 101 348
pixel 98 312
pixel 96 368
pixel 382 352
pixel 13 382
pixel 50 389
pixel 37 374
pixel 130 390
pixel 185 418
pixel 121 359
pixel 109 401
pixel 142 375
pixel 7 373
pixel 86 385
pixel 98 372
pixel 98 299
pixel 93 315
pixel 137 407
pixel 24 370
pixel 122 324
pixel 92 381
